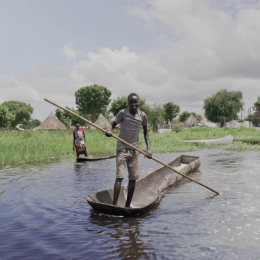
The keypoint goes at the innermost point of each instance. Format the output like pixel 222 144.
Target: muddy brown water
pixel 44 213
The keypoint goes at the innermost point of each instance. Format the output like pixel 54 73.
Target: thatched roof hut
pixel 51 123
pixel 191 121
pixel 102 122
pixel 204 120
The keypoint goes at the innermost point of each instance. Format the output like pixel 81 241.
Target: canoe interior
pixel 96 157
pixel 147 191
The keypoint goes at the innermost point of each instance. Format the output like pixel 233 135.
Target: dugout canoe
pixel 96 158
pixel 225 140
pixel 148 190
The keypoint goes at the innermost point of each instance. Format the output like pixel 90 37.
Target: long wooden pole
pixel 126 143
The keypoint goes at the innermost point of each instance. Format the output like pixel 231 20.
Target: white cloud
pixel 235 5
pixel 210 43
pixel 208 48
pixel 211 49
pixel 18 89
pixel 36 83
pixel 69 51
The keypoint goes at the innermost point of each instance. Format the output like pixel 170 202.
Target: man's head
pixel 133 102
pixel 77 126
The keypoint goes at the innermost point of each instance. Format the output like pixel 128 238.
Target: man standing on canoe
pixel 79 141
pixel 131 120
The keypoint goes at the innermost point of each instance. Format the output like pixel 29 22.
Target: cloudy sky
pixel 181 51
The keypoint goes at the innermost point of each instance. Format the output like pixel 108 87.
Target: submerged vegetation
pixel 32 146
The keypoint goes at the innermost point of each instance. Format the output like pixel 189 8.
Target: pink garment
pixel 80 140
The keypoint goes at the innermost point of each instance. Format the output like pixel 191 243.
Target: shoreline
pixel 20 148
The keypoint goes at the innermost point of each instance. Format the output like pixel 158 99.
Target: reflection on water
pixel 123 234
pixel 45 215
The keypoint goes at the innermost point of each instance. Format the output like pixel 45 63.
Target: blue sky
pixel 181 51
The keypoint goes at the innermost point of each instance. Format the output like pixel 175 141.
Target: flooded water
pixel 44 213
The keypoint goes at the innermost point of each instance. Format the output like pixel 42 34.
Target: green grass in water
pixel 245 139
pixel 32 146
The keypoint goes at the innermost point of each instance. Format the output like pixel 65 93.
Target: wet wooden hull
pixel 225 140
pixel 148 190
pixel 95 158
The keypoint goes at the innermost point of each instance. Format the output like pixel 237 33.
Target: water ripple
pixel 44 213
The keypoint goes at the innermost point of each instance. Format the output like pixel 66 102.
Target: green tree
pixel 170 111
pixel 236 117
pixel 92 100
pixel 255 115
pixel 223 106
pixel 118 104
pixel 176 128
pixel 67 118
pixel 145 108
pixel 257 104
pixel 64 119
pixel 156 116
pixel 5 117
pixel 184 115
pixel 31 124
pixel 177 121
pixel 21 111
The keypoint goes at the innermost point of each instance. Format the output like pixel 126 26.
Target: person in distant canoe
pixel 131 120
pixel 79 141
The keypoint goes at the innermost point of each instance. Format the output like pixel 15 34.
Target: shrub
pixel 176 128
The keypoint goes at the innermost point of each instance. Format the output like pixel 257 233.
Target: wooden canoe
pixel 148 190
pixel 225 140
pixel 96 158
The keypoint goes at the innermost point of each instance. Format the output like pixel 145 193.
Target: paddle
pixel 126 143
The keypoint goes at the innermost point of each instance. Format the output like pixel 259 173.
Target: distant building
pixel 237 123
pixel 190 121
pixel 51 123
pixel 102 122
pixel 205 121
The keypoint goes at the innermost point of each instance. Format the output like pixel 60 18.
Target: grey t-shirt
pixel 130 127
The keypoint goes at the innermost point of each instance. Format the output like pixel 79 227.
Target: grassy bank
pixel 33 146
pixel 245 139
pixel 30 146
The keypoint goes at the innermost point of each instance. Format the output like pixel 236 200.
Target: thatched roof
pixel 51 123
pixel 204 120
pixel 102 122
pixel 191 121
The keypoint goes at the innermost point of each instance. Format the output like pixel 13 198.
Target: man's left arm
pixel 147 141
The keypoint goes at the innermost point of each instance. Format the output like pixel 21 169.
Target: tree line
pixel 13 113
pixel 95 99
pixel 255 116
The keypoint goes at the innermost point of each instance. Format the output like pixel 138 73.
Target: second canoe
pixel 225 140
pixel 96 158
